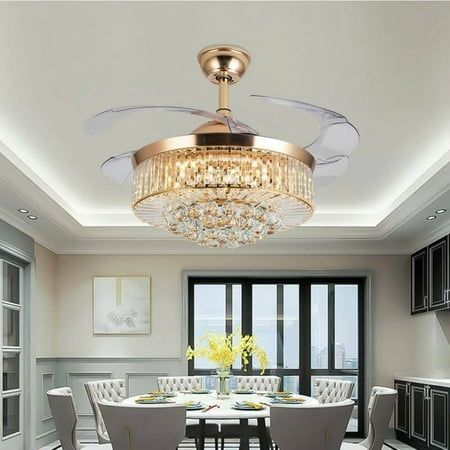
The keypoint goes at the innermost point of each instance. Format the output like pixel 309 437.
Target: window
pixel 310 328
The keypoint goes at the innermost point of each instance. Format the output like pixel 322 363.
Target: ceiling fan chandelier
pixel 224 185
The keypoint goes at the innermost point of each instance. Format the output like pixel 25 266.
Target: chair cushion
pixel 352 446
pixel 96 447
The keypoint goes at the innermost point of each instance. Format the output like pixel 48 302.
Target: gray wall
pixel 13 241
pixel 140 375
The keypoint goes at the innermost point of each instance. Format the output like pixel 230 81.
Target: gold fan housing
pixel 223 189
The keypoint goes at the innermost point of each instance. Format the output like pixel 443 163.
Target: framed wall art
pixel 121 305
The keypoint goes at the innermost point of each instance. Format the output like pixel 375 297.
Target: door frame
pixel 27 262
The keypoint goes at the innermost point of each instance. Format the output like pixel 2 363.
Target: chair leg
pixel 216 443
pixel 222 443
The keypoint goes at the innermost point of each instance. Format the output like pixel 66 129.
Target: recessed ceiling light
pixel 31 217
pixel 428 218
pixel 441 211
pixel 23 210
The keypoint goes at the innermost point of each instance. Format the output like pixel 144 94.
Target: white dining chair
pixel 320 427
pixel 380 407
pixel 110 390
pixel 190 383
pixel 332 391
pixel 151 428
pixel 178 384
pixel 64 414
pixel 262 383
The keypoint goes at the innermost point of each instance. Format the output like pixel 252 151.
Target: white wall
pixel 45 308
pixel 402 343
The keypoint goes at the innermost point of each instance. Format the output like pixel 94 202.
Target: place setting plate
pixel 153 400
pixel 193 406
pixel 248 406
pixel 200 391
pixel 162 394
pixel 288 400
pixel 280 394
pixel 243 391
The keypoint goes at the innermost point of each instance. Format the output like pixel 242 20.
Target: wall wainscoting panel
pixel 46 379
pixel 47 383
pixel 140 375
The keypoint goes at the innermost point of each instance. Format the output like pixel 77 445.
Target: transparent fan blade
pixel 338 138
pixel 307 107
pixel 236 126
pixel 326 172
pixel 104 119
pixel 120 168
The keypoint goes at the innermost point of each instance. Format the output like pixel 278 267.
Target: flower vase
pixel 223 383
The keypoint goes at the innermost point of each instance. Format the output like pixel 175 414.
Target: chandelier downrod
pixel 224 65
pixel 224 107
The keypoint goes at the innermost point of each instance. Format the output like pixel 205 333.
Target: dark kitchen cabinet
pixel 438 274
pixel 422 415
pixel 418 414
pixel 401 413
pixel 430 277
pixel 419 281
pixel 439 426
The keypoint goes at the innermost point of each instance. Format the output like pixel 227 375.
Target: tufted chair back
pixel 63 411
pixel 332 391
pixel 318 427
pixel 152 428
pixel 176 384
pixel 109 390
pixel 381 404
pixel 258 383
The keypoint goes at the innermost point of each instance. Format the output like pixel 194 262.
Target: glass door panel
pixel 11 415
pixel 11 355
pixel 210 315
pixel 11 327
pixel 11 374
pixel 346 326
pixel 11 283
pixel 291 326
pixel 319 326
pixel 264 324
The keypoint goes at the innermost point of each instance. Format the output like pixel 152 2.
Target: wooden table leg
pixel 201 435
pixel 244 443
pixel 263 435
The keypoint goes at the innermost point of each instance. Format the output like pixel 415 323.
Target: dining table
pixel 215 409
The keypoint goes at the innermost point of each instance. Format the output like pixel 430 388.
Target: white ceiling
pixel 383 65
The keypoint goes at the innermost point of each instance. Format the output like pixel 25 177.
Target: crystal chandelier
pixel 223 185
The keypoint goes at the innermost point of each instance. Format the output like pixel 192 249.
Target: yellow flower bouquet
pixel 222 350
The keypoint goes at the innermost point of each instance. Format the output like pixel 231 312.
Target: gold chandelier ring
pixel 225 140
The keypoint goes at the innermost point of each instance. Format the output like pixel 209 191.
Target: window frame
pixel 304 373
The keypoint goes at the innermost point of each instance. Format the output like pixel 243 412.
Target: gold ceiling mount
pixel 224 61
pixel 223 65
